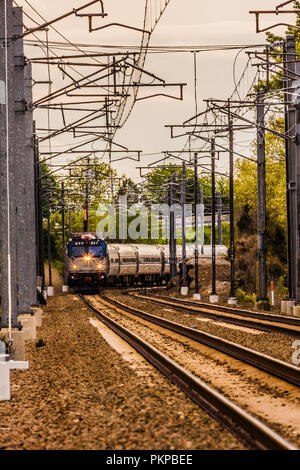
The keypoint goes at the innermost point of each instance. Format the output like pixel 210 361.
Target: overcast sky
pixel 193 23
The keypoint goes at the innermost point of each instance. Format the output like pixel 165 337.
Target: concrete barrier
pixel 37 312
pixel 283 306
pixel 197 297
pixel 296 311
pixel 29 326
pixel 213 299
pixel 184 290
pixel 18 345
pixel 232 301
pixel 50 291
pixel 289 307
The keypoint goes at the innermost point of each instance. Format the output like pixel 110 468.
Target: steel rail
pixel 271 365
pixel 236 311
pixel 258 324
pixel 248 429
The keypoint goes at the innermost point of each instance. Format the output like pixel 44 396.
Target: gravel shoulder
pixel 80 393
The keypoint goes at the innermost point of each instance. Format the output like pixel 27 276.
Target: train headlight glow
pixel 75 266
pixel 99 266
pixel 87 258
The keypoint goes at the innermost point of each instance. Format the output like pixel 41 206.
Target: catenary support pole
pixel 289 50
pixel 63 229
pixel 21 165
pixel 32 253
pixel 70 221
pixel 184 289
pixel 232 298
pixel 261 199
pixel 173 261
pixel 202 219
pixel 213 297
pixel 219 207
pixel 49 236
pixel 196 294
pixel 39 214
pixel 9 304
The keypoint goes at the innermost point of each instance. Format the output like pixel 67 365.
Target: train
pixel 91 262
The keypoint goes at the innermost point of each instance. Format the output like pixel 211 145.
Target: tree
pixel 157 184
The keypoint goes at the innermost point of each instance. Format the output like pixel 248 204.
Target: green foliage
pixel 276 79
pixel 157 182
pixel 244 299
pixel 40 343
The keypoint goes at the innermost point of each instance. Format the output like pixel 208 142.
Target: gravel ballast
pixel 80 393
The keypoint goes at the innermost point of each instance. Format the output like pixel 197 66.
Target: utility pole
pixel 232 299
pixel 70 221
pixel 50 286
pixel 9 237
pixel 167 200
pixel 213 297
pixel 29 153
pixel 173 260
pixel 261 199
pixel 202 219
pixel 86 209
pixel 63 231
pixel 184 288
pixel 39 215
pixel 289 59
pixel 196 294
pixel 24 244
pixel 219 207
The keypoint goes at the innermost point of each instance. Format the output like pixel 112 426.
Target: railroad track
pixel 259 321
pixel 249 430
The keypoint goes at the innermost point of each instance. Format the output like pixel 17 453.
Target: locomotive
pixel 91 262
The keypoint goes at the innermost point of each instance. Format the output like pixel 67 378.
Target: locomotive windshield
pixel 77 251
pixel 95 249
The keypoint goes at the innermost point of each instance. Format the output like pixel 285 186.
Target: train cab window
pixel 77 251
pixel 96 251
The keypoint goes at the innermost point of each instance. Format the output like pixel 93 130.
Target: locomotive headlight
pixel 87 258
pixel 99 266
pixel 75 266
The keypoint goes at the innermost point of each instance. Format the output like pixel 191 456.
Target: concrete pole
pixel 21 170
pixel 9 236
pixel 30 189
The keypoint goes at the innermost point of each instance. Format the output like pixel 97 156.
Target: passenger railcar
pixel 91 262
